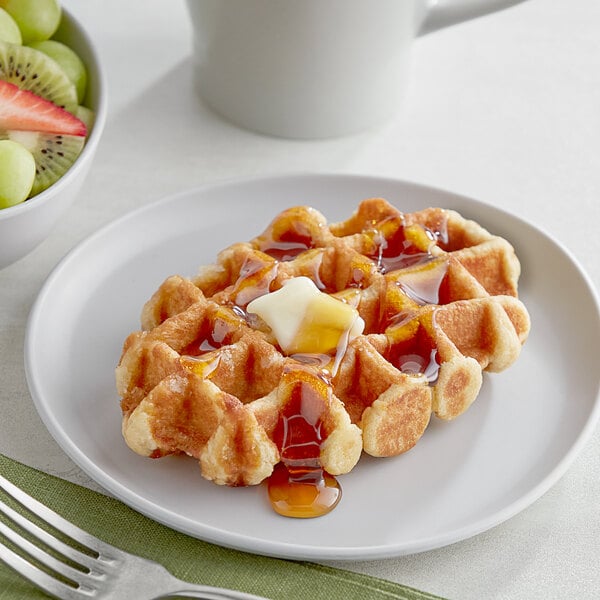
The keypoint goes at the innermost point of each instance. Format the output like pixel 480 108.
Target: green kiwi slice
pixel 53 153
pixel 35 71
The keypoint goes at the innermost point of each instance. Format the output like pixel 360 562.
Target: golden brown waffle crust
pixel 204 378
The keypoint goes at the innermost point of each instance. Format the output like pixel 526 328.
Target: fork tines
pixel 35 561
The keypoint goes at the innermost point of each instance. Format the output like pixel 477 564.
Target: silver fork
pixel 105 573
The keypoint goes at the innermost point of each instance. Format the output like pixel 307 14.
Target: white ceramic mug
pixel 313 68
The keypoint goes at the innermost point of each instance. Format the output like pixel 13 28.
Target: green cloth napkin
pixel 186 557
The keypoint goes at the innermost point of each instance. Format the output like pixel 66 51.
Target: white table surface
pixel 505 109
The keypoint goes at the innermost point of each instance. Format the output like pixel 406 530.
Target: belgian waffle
pixel 205 377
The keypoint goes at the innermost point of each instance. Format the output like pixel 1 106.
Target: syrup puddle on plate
pixel 299 487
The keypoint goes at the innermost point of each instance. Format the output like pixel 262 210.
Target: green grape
pixel 17 172
pixel 37 19
pixel 68 60
pixel 9 30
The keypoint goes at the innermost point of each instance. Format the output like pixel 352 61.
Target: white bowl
pixel 25 225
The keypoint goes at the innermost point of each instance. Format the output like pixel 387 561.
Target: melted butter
pixel 307 321
pixel 326 328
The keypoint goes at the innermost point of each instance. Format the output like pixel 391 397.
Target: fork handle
pixel 205 592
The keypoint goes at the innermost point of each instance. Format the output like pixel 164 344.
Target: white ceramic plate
pixel 462 478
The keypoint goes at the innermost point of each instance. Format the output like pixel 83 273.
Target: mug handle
pixel 442 13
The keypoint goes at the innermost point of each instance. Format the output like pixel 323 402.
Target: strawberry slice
pixel 24 111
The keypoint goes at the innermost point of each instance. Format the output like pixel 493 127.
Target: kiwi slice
pixel 35 71
pixel 53 153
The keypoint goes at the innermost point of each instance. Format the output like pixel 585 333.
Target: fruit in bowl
pixel 52 111
pixel 41 87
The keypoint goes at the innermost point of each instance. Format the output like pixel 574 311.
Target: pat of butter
pixel 305 320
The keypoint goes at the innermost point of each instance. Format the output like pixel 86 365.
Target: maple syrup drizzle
pixel 427 285
pixel 350 296
pixel 394 250
pixel 312 359
pixel 315 274
pixel 325 363
pixel 197 356
pixel 418 364
pixel 440 229
pixel 417 355
pixel 254 280
pixel 299 487
pixel 358 277
pixel 287 247
pixel 201 365
pixel 210 339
